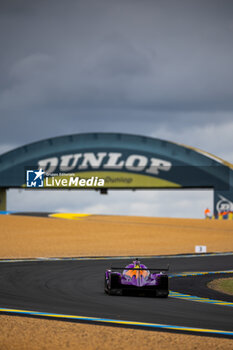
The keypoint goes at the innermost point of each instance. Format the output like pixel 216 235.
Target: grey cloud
pixel 132 66
pixel 123 54
pixel 212 137
pixel 152 67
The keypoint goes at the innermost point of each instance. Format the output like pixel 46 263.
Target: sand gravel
pixel 110 235
pixel 18 333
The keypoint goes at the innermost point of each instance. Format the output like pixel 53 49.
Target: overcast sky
pixel 153 67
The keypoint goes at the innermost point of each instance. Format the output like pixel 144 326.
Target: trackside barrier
pixel 224 216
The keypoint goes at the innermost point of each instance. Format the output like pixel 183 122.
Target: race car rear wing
pixel 140 269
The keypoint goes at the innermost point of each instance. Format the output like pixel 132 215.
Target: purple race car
pixel 136 278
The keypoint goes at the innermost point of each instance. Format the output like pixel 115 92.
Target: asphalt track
pixel 75 287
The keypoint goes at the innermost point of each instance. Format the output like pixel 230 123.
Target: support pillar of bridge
pixel 2 199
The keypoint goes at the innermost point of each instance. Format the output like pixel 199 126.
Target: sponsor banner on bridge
pixel 101 169
pixel 106 161
pixel 123 169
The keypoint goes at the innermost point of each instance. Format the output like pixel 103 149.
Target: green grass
pixel 224 285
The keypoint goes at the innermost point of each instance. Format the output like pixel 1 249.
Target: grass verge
pixel 223 285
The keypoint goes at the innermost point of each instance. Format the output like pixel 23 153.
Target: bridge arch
pixel 123 161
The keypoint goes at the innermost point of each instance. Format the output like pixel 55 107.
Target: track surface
pixel 76 288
